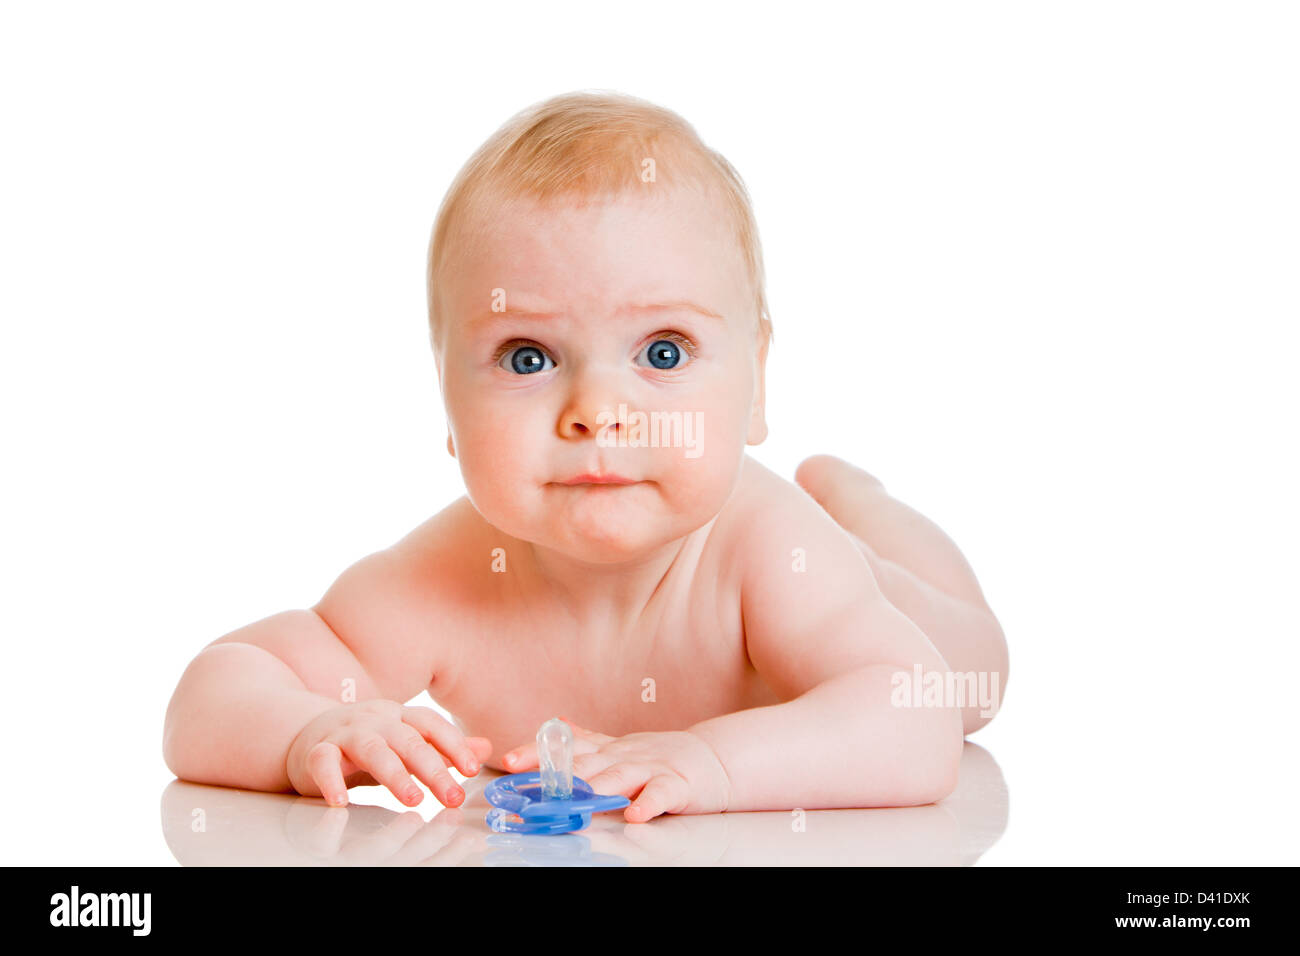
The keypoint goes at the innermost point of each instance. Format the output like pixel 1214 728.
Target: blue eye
pixel 665 354
pixel 528 359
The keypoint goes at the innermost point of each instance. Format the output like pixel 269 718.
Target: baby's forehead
pixel 622 241
pixel 496 216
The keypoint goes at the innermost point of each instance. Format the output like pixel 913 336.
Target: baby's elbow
pixel 985 691
pixel 175 748
pixel 934 785
pixel 941 783
pixel 949 768
pixel 936 778
pixel 173 757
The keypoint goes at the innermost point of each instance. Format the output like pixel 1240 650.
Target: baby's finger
pixel 623 779
pixel 325 764
pixel 524 757
pixel 521 759
pixel 371 753
pixel 662 794
pixel 587 766
pixel 422 760
pixel 445 736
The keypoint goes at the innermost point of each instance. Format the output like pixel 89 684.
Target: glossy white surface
pixel 214 826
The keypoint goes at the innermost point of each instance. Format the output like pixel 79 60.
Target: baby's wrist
pixel 717 795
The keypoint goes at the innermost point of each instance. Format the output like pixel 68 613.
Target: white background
pixel 1032 264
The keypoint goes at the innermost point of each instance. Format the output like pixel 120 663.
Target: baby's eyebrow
pixel 679 305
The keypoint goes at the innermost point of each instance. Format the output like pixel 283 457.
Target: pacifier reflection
pixel 535 849
pixel 219 826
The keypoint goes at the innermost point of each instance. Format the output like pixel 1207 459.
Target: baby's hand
pixel 673 772
pixel 381 741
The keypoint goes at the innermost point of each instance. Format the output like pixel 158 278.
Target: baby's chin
pixel 605 524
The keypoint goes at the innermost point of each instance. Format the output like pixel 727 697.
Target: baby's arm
pixel 245 698
pixel 829 643
pixel 242 700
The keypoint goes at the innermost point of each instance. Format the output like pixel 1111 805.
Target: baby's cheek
pixel 702 485
pixel 717 442
pixel 496 486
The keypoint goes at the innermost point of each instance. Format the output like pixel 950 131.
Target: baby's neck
pixel 610 596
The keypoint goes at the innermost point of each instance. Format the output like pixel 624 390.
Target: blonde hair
pixel 590 144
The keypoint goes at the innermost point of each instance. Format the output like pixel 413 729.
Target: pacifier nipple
pixel 555 758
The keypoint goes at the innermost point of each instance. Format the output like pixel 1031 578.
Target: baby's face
pixel 614 339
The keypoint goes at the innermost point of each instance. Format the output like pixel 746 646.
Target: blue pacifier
pixel 550 800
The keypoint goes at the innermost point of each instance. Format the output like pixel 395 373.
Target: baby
pixel 733 641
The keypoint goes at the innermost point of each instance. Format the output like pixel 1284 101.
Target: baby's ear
pixel 757 418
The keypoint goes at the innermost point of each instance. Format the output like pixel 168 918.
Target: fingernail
pixel 455 793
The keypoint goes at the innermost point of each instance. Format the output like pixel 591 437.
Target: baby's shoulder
pixel 767 509
pixel 771 525
pixel 441 550
pixel 397 608
pixel 413 575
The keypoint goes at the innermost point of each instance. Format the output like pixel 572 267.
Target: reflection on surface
pixel 218 826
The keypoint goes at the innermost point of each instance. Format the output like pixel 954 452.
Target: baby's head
pixel 596 308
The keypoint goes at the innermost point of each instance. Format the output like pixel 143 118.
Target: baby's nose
pixel 585 421
pixel 594 406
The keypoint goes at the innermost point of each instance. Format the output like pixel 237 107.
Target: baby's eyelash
pixel 675 337
pixel 506 347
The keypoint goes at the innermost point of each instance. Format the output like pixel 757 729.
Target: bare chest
pixel 685 668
